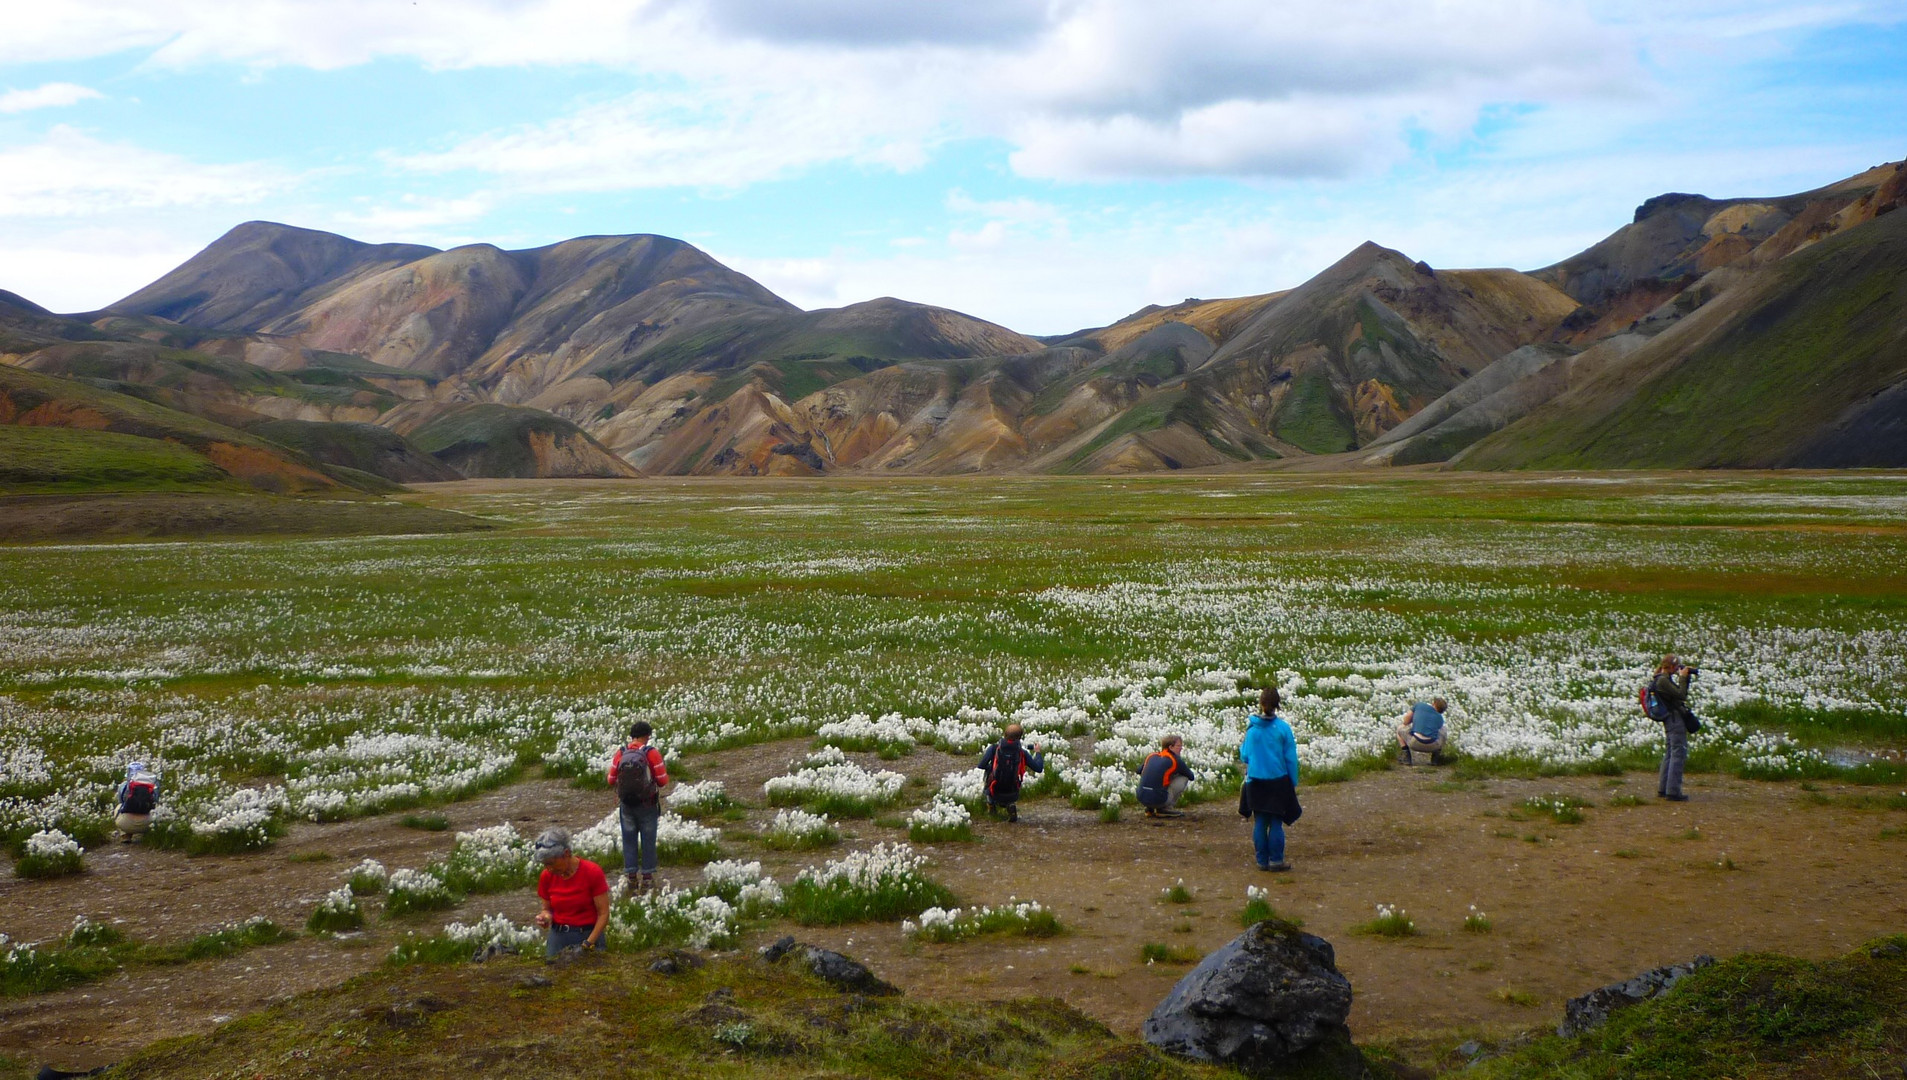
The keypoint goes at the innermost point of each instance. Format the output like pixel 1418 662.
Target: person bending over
pixel 1005 765
pixel 136 797
pixel 1423 731
pixel 1163 779
pixel 574 892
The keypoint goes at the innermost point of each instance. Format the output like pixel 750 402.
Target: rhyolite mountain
pixel 621 355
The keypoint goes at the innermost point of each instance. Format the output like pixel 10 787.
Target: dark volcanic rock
pixel 829 966
pixel 676 961
pixel 1272 995
pixel 1592 1010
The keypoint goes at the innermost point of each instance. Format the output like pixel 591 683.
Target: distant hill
pixel 1740 333
pixel 622 355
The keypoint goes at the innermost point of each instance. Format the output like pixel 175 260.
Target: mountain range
pixel 1706 332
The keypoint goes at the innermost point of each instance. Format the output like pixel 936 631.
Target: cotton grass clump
pixel 827 783
pixel 1026 918
pixel 885 882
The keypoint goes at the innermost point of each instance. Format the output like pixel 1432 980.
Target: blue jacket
pixel 1270 750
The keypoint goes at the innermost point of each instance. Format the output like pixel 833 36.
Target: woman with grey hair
pixel 574 892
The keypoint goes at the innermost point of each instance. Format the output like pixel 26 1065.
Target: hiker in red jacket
pixel 638 775
pixel 574 895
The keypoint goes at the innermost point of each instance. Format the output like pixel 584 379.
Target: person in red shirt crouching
pixel 574 892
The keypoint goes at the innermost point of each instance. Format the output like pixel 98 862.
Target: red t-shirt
pixel 572 899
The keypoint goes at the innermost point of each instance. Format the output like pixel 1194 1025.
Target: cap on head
pixel 552 845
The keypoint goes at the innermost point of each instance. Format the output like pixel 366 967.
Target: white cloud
pixel 85 269
pixel 412 218
pixel 68 173
pixel 739 91
pixel 721 135
pixel 52 95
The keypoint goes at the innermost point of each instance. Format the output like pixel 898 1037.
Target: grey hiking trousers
pixel 1674 756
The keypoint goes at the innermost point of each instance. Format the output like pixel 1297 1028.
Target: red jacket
pixel 656 768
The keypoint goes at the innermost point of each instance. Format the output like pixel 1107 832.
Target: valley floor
pixel 1743 866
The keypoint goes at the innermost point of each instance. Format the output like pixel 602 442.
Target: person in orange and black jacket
pixel 1163 779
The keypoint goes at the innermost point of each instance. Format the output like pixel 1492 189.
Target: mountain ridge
pixel 661 357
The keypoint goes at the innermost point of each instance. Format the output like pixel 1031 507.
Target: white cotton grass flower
pixel 794 829
pixel 833 786
pixel 1024 917
pixel 940 820
pixel 698 797
pixel 52 844
pixel 497 929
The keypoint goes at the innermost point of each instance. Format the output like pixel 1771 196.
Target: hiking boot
pixel 632 884
pixel 1403 755
pixel 1151 812
pixel 1677 797
pixel 1012 814
pixel 648 884
pixel 1436 757
pixel 1277 867
pixel 1171 813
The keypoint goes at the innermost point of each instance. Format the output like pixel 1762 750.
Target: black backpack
pixel 1004 777
pixel 635 781
pixel 140 798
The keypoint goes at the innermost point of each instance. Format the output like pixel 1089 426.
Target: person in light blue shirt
pixel 1423 731
pixel 1270 754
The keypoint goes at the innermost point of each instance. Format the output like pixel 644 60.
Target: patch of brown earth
pixel 1742 866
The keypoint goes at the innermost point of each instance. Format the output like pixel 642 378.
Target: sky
pixel 1046 164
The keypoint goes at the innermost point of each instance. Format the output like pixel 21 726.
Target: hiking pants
pixel 1268 837
pixel 639 838
pixel 563 937
pixel 1175 791
pixel 1674 756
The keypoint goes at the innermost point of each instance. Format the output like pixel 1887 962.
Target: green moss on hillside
pixel 611 1016
pixel 1754 1016
pixel 1830 332
pixel 1312 418
pixel 40 459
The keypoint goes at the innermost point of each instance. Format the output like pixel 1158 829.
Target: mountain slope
pixel 1805 362
pixel 1345 357
pixel 30 399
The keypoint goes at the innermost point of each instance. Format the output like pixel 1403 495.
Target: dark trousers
pixel 639 838
pixel 1674 756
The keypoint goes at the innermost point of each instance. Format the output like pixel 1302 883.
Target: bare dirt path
pixel 1742 866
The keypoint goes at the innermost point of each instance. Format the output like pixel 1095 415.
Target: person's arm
pixel 1290 748
pixel 602 919
pixel 544 917
pixel 615 765
pixel 1036 761
pixel 986 757
pixel 658 768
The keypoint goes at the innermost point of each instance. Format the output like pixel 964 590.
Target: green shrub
pixel 1390 922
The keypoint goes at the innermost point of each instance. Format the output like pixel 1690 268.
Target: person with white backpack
pixel 136 798
pixel 639 775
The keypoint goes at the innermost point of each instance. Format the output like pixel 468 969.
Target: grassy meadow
pixel 268 680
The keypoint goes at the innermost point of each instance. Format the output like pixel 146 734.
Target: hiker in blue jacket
pixel 1270 796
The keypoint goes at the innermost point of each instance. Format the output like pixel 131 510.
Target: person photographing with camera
pixel 1670 687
